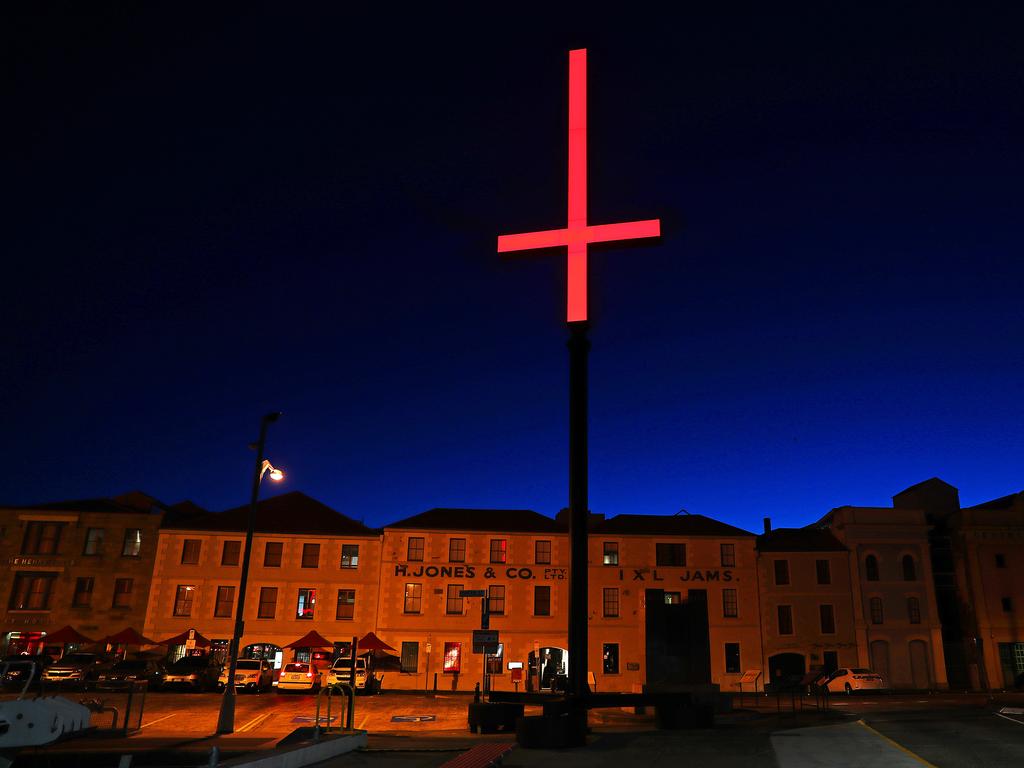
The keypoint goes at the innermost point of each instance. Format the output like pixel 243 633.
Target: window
pixel 183 599
pixel 349 555
pixel 268 603
pixel 877 614
pixel 732 658
pixel 728 552
pixel 611 553
pixel 31 591
pixel 306 604
pixel 231 553
pixel 674 598
pixel 542 601
pixel 785 614
pixel 41 538
pixel 914 610
pixel 225 602
pixel 827 616
pixel 871 568
pixel 456 550
pixel 346 605
pixel 413 598
pixel 310 555
pixel 730 606
pixel 123 593
pixel 610 658
pixel 453 604
pixel 496 661
pixel 823 569
pixel 1007 604
pixel 781 572
pixel 499 549
pixel 496 600
pixel 610 602
pixel 452 658
pixel 190 551
pixel 670 554
pixel 909 568
pixel 415 548
pixel 272 552
pixel 94 541
pixel 83 591
pixel 1000 561
pixel 410 656
pixel 132 545
pixel 542 553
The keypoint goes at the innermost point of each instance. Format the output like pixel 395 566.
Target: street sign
pixel 485 641
pixel 473 593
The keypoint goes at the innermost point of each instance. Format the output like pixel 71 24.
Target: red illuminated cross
pixel 578 233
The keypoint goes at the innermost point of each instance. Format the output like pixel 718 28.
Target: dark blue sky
pixel 213 214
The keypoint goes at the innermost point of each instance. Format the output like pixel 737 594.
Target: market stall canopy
pixel 67 634
pixel 311 639
pixel 201 642
pixel 127 636
pixel 370 642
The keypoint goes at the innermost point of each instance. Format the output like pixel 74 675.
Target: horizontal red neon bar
pixel 599 233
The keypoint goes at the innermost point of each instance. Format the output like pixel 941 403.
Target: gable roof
pixel 499 520
pixel 667 525
pixel 133 503
pixel 293 512
pixel 1003 502
pixel 799 540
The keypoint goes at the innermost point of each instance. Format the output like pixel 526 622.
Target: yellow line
pixel 158 720
pixel 898 746
pixel 255 723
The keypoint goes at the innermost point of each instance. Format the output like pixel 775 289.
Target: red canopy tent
pixel 128 636
pixel 311 639
pixel 370 642
pixel 201 642
pixel 66 635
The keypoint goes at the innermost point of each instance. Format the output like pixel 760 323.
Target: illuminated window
pixel 542 601
pixel 225 604
pixel 456 550
pixel 732 658
pixel 190 551
pixel 310 555
pixel 877 613
pixel 909 568
pixel 41 538
pixel 183 599
pixel 827 615
pixel 610 658
pixel 610 602
pixel 123 593
pixel 346 604
pixel 782 572
pixel 673 598
pixel 611 553
pixel 413 598
pixel 83 591
pixel 231 553
pixel 914 610
pixel 730 605
pixel 496 661
pixel 499 550
pixel 415 548
pixel 673 555
pixel 268 603
pixel 272 552
pixel 728 552
pixel 823 570
pixel 542 553
pixel 452 658
pixel 785 614
pixel 306 604
pixel 31 591
pixel 871 568
pixel 496 600
pixel 349 555
pixel 410 656
pixel 132 542
pixel 453 603
pixel 94 541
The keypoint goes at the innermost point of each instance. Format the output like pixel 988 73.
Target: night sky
pixel 216 212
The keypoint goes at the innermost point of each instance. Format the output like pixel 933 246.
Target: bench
pixel 480 756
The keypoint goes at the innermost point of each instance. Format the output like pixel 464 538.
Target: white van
pixel 341 672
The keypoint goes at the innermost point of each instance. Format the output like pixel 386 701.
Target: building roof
pixel 455 519
pixel 294 513
pixel 799 540
pixel 667 525
pixel 133 502
pixel 1003 502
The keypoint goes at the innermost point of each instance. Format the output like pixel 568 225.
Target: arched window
pixel 871 568
pixel 914 610
pixel 909 569
pixel 877 614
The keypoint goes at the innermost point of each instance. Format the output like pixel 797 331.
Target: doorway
pixel 786 669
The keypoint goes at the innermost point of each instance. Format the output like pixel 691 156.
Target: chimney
pixel 767 525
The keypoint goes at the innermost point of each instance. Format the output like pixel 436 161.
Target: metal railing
pixel 330 691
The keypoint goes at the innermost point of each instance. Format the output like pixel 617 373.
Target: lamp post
pixel 226 720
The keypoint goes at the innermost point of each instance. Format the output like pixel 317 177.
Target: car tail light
pixel 309 674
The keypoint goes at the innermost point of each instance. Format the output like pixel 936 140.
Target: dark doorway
pixel 786 669
pixel 678 643
pixel 831 661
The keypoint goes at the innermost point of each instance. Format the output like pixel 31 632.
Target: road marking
pixel 362 722
pixel 1011 719
pixel 898 746
pixel 158 720
pixel 1012 711
pixel 255 723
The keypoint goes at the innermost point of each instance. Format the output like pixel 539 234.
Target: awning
pixel 127 636
pixel 370 642
pixel 201 642
pixel 311 639
pixel 66 634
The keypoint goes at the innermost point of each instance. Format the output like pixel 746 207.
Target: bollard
pixel 476 693
pixel 435 683
pixel 214 757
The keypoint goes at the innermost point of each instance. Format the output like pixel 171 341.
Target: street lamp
pixel 226 720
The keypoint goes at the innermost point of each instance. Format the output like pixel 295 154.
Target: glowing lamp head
pixel 276 474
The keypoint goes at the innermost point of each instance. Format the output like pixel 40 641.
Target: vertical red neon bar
pixel 577 224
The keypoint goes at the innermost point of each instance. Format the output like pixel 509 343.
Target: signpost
pixel 576 236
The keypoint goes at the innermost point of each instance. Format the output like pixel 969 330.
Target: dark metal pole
pixel 579 347
pixel 226 720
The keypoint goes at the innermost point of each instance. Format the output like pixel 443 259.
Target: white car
pixel 299 676
pixel 341 672
pixel 250 674
pixel 859 679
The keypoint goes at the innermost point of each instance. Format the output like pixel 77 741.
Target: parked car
pixel 851 680
pixel 125 672
pixel 298 676
pixel 77 670
pixel 193 673
pixel 250 675
pixel 341 672
pixel 17 670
